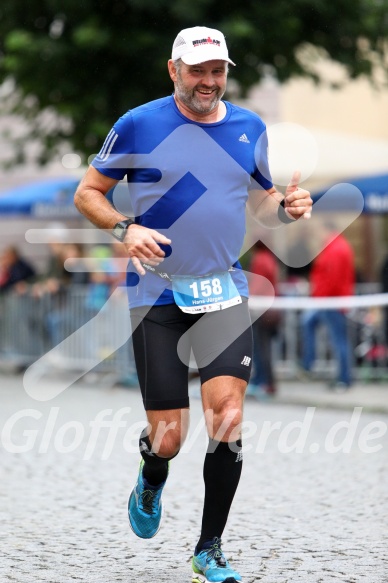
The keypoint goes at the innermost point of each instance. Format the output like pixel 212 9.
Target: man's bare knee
pixel 168 431
pixel 166 439
pixel 224 420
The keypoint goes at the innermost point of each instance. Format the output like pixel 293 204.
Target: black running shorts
pixel 163 338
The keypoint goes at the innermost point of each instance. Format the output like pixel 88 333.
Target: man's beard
pixel 190 99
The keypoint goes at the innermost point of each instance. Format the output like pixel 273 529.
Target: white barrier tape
pixel 308 303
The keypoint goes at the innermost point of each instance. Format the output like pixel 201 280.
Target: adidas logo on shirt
pixel 244 138
pixel 246 361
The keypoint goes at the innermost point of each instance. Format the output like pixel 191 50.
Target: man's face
pixel 200 87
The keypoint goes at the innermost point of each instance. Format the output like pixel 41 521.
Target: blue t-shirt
pixel 190 182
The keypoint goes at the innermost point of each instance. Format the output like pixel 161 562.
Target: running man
pixel 193 163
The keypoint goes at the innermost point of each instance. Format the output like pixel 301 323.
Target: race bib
pixel 208 293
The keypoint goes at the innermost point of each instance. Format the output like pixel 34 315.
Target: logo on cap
pixel 206 41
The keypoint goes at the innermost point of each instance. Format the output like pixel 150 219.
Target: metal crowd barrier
pixel 367 346
pixel 31 326
pixel 367 324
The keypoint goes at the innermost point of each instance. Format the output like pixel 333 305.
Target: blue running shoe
pixel 210 565
pixel 145 507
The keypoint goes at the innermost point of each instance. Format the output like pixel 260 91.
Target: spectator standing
pixel 15 275
pixel 384 283
pixel 332 275
pixel 60 319
pixel 14 269
pixel 263 263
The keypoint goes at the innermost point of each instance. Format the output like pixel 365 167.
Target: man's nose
pixel 208 79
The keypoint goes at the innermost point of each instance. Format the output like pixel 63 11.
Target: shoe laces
pixel 215 553
pixel 148 498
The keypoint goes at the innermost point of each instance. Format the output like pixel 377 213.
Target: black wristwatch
pixel 120 229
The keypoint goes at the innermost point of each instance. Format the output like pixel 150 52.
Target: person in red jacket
pixel 332 274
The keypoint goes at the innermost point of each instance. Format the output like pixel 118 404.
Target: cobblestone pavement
pixel 316 515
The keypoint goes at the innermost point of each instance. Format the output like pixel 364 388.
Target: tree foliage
pixel 89 61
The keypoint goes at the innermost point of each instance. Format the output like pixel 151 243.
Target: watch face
pixel 119 232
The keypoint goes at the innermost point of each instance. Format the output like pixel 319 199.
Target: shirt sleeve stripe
pixel 106 143
pixel 112 143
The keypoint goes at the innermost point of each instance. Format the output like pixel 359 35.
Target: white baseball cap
pixel 199 44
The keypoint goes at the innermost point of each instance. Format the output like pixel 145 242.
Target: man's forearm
pixel 271 208
pixel 265 208
pixel 96 208
pixel 91 201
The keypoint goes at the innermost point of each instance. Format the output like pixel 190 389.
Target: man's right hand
pixel 141 244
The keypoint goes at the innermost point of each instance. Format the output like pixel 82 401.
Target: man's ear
pixel 172 70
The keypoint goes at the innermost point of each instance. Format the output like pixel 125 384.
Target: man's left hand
pixel 297 201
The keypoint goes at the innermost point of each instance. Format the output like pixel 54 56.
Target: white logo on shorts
pixel 246 361
pixel 239 457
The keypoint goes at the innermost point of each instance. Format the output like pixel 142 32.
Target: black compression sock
pixel 221 472
pixel 155 468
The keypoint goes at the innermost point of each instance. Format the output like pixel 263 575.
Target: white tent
pixel 323 156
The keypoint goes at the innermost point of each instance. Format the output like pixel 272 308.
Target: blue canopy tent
pixel 46 199
pixel 374 190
